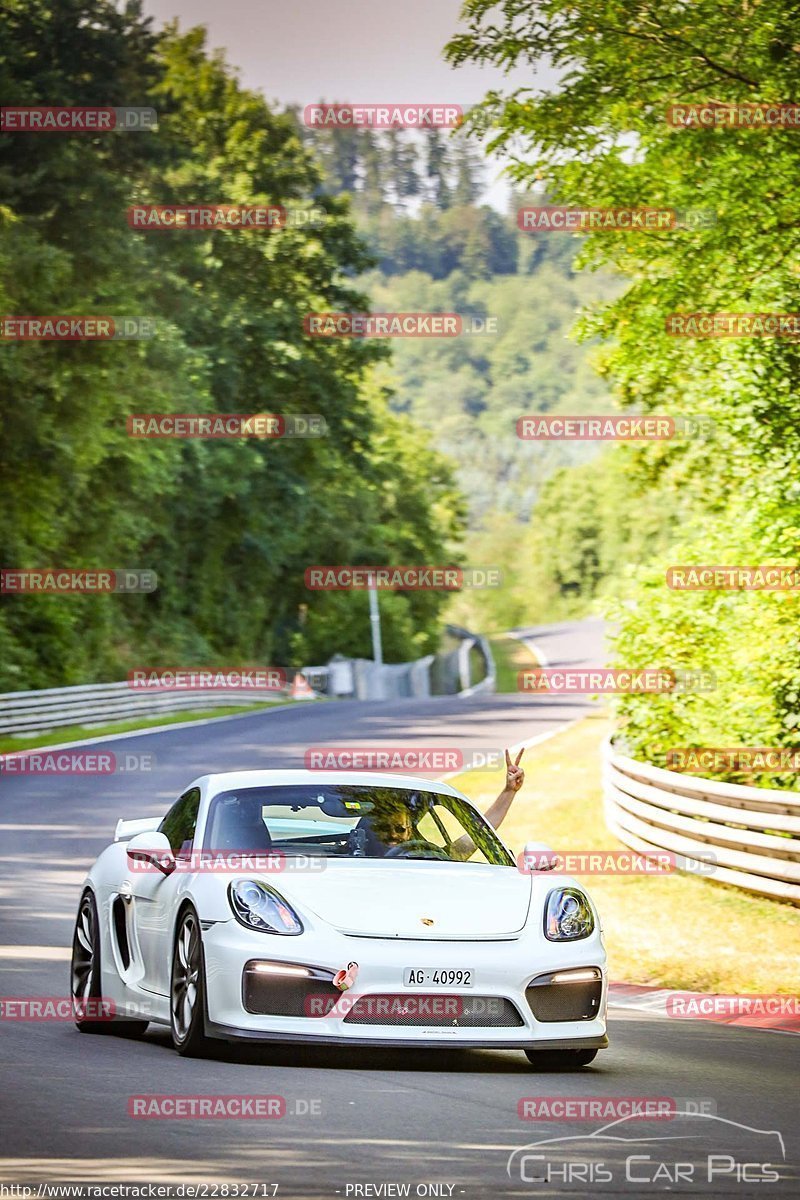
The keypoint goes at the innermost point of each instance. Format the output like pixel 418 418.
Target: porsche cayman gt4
pixel 336 907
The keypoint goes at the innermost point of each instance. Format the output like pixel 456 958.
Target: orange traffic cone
pixel 301 690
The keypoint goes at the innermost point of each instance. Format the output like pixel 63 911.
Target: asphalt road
pixel 358 1120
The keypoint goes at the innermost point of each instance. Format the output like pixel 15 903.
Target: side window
pixel 430 831
pixel 180 821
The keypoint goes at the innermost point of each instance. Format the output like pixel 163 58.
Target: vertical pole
pixel 375 622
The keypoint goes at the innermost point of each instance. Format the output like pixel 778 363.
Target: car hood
pixel 379 899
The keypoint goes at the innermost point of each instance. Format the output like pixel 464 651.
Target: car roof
pixel 223 781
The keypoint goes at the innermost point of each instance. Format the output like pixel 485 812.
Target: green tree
pixel 600 136
pixel 228 526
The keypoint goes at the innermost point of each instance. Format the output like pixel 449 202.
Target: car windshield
pixel 352 821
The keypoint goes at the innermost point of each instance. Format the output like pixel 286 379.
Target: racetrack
pixel 354 1116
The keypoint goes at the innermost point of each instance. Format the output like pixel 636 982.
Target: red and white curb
pixel 765 1011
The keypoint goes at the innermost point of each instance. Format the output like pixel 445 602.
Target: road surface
pixel 359 1120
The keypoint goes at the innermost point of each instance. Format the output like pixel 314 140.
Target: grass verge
pixel 510 656
pixel 78 733
pixel 676 931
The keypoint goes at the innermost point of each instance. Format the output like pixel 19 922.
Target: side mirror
pixel 152 849
pixel 536 856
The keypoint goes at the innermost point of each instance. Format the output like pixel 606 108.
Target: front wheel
pixel 560 1060
pixel 187 988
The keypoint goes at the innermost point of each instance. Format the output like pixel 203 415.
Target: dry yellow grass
pixel 677 931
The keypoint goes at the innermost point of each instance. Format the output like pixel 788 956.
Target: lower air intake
pixel 413 1011
pixel 555 997
pixel 270 993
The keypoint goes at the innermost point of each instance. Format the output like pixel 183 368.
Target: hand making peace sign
pixel 515 774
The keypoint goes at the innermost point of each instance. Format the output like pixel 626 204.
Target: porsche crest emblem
pixel 427 920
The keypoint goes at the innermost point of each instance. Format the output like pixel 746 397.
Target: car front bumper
pixel 503 970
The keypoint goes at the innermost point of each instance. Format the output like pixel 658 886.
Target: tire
pixel 85 965
pixel 85 974
pixel 560 1060
pixel 127 1029
pixel 187 993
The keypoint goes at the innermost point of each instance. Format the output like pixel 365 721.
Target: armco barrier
pixel 101 703
pixel 752 833
pixel 448 673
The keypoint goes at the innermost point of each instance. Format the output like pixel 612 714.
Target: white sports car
pixel 337 907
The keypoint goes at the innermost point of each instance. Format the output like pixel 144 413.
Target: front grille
pixel 564 1001
pixel 434 1011
pixel 276 995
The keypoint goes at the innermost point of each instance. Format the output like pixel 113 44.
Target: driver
pixel 393 825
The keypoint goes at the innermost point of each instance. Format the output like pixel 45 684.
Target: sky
pixel 349 50
pixel 360 51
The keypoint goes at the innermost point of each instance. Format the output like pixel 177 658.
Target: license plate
pixel 462 977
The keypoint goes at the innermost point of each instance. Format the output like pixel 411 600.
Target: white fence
pixel 752 834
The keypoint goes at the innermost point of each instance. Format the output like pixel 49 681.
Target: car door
pixel 154 894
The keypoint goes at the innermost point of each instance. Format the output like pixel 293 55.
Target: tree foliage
pixel 599 136
pixel 229 526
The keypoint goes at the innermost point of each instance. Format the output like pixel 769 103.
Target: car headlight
pixel 260 907
pixel 567 915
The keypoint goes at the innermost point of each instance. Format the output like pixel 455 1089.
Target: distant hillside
pixel 416 199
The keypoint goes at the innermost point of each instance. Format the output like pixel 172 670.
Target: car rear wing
pixel 129 829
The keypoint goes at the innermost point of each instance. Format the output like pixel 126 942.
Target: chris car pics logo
pixel 695 1151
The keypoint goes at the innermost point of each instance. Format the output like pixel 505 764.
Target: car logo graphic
pixel 613 1133
pixel 427 920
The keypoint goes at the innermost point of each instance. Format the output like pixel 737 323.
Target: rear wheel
pixel 85 977
pixel 560 1060
pixel 85 967
pixel 187 988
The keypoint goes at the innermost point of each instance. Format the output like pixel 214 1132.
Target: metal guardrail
pixel 447 673
pixel 489 681
pixel 752 833
pixel 100 703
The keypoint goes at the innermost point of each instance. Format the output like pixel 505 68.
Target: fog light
pixel 587 975
pixel 266 968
